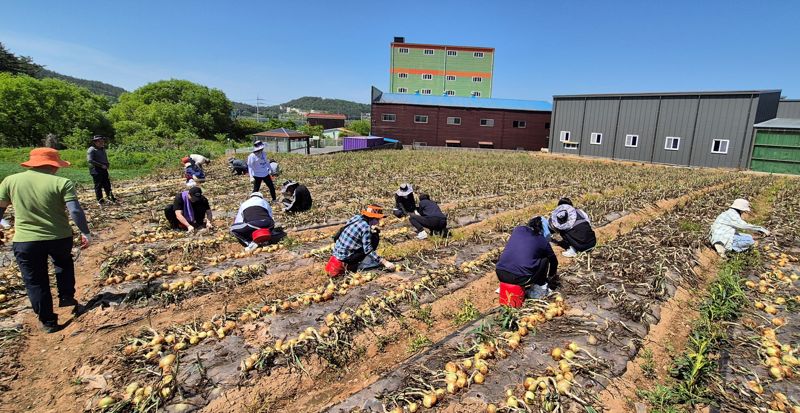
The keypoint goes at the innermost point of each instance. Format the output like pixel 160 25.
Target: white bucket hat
pixel 741 205
pixel 405 189
pixel 257 146
pixel 258 194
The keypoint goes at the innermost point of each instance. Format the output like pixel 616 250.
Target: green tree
pixel 172 111
pixel 362 127
pixel 10 63
pixel 312 130
pixel 31 108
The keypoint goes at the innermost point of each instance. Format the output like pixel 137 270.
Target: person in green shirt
pixel 41 201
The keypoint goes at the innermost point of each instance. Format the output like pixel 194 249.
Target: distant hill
pixel 352 109
pixel 94 86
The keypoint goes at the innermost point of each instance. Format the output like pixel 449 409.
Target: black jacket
pixel 581 236
pixel 301 200
pixel 428 208
pixel 405 203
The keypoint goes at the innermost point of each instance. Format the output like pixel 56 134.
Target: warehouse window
pixel 596 139
pixel 477 79
pixel 476 94
pixel 631 141
pixel 427 76
pixel 420 118
pixel 450 92
pixel 570 146
pixel 479 55
pixel 402 50
pixel 451 77
pixel 453 120
pixel 487 122
pixel 428 52
pixel 452 53
pixel 426 91
pixel 402 75
pixel 402 90
pixel 720 146
pixel 564 136
pixel 672 143
pixel 389 117
pixel 519 124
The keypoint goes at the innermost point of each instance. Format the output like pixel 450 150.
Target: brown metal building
pixel 461 121
pixel 326 120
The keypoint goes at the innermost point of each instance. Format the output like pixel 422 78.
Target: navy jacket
pixel 428 208
pixel 526 254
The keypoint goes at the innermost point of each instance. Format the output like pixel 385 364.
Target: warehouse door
pixel 776 152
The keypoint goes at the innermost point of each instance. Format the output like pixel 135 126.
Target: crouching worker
pixel 429 216
pixel 237 166
pixel 254 224
pixel 528 261
pixel 297 198
pixel 189 211
pixel 724 234
pixel 574 227
pixel 404 202
pixel 357 243
pixel 192 172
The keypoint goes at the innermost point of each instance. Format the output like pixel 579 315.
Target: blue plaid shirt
pixel 356 236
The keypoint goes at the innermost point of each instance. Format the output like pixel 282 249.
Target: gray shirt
pixel 96 157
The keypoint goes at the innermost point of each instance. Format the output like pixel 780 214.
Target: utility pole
pixel 258 102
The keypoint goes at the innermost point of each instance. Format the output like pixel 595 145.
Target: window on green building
pixel 426 91
pixel 451 78
pixel 452 53
pixel 402 75
pixel 476 94
pixel 428 52
pixel 450 92
pixel 479 55
pixel 402 50
pixel 477 79
pixel 427 76
pixel 402 90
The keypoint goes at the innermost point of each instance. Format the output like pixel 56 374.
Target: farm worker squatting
pixel 724 234
pixel 237 166
pixel 254 214
pixel 574 227
pixel 97 159
pixel 42 229
pixel 297 197
pixel 188 210
pixel 528 260
pixel 404 202
pixel 428 216
pixel 357 243
pixel 260 169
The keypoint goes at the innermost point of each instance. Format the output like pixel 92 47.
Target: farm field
pixel 651 317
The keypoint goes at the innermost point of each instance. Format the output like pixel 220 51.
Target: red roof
pixel 326 116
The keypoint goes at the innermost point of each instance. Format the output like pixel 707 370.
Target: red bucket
pixel 262 235
pixel 511 295
pixel 334 268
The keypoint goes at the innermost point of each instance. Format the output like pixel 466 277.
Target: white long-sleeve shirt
pixel 258 165
pixel 726 226
pixel 199 160
pixel 252 201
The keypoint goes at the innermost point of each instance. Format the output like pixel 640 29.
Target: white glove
pixel 388 265
pixel 252 178
pixel 190 229
pixel 5 224
pixel 765 232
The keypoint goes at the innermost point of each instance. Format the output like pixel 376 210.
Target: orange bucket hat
pixel 373 211
pixel 43 157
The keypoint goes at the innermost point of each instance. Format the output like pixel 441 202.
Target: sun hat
pixel 257 146
pixel 373 211
pixel 405 189
pixel 564 217
pixel 288 184
pixel 44 157
pixel 96 138
pixel 741 205
pixel 195 192
pixel 258 194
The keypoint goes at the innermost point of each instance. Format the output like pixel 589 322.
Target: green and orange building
pixel 428 69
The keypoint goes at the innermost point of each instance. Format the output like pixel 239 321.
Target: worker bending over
pixel 528 260
pixel 725 235
pixel 40 199
pixel 297 197
pixel 189 210
pixel 254 214
pixel 237 166
pixel 428 216
pixel 200 161
pixel 574 227
pixel 192 172
pixel 356 244
pixel 404 202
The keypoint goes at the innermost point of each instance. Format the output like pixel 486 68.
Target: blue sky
pixel 281 50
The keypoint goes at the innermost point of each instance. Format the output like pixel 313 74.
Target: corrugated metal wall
pixel 789 109
pixel 697 119
pixel 677 119
pixel 637 116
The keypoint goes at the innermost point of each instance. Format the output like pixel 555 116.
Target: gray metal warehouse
pixel 710 129
pixel 789 109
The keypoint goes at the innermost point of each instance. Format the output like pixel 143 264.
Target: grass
pixel 689 226
pixel 423 313
pixel 648 364
pixel 418 343
pixel 468 312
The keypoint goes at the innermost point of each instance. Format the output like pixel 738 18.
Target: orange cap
pixel 43 157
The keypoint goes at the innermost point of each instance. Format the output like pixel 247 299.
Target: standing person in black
pixel 189 210
pixel 98 167
pixel 404 203
pixel 297 198
pixel 429 216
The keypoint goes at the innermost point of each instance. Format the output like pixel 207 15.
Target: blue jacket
pixel 526 253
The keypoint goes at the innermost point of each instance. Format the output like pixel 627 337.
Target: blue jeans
pixel 742 242
pixel 32 260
